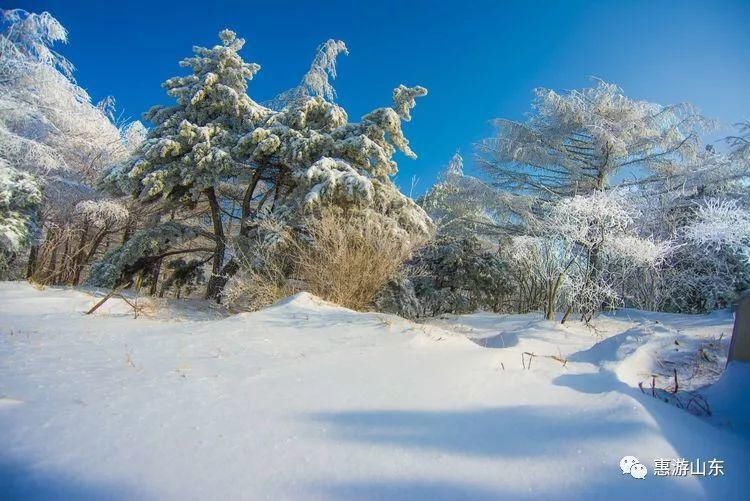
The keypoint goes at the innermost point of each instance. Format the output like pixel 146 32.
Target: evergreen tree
pixel 252 163
pixel 190 150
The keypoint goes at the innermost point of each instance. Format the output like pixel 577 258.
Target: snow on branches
pixel 20 197
pixel 463 205
pixel 217 144
pixel 140 252
pixel 316 82
pixel 50 129
pixel 583 249
pixel 334 180
pixel 720 223
pixel 101 212
pixel 577 141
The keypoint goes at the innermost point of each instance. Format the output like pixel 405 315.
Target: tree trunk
pixel 247 199
pixel 549 310
pixel 155 277
pixel 60 276
pixel 52 267
pixel 31 266
pixel 128 229
pixel 567 314
pixel 215 284
pixel 552 289
pixel 80 254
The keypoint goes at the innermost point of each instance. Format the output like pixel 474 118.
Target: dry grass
pixel 255 287
pixel 344 260
pixel 349 260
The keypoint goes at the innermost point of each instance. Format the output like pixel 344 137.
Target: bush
pixel 450 275
pixel 341 258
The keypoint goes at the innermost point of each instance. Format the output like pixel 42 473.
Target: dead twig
pixel 531 355
pixel 137 308
pixel 106 298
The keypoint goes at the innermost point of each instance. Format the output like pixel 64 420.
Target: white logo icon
pixel 631 465
pixel 638 471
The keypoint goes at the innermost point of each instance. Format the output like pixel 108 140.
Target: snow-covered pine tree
pixel 315 159
pixel 463 205
pixel 289 163
pixel 20 198
pixel 191 148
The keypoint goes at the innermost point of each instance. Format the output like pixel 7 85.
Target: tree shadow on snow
pixel 25 482
pixel 690 436
pixel 520 433
pixel 409 490
pixel 492 432
pixel 501 340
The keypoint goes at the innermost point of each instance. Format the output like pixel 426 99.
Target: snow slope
pixel 306 400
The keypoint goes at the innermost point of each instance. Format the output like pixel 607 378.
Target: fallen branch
pixel 117 293
pixel 531 355
pixel 112 293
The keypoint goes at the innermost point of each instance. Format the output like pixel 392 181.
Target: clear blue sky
pixel 479 59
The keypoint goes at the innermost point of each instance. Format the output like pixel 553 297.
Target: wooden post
pixel 739 349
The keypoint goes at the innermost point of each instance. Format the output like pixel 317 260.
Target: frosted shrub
pixel 582 253
pixel 20 197
pixel 698 280
pixel 710 264
pixel 720 223
pixel 449 275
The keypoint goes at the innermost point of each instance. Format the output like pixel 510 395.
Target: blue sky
pixel 479 59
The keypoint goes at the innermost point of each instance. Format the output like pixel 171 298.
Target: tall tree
pixel 190 149
pixel 217 145
pixel 590 139
pixel 49 128
pixel 462 205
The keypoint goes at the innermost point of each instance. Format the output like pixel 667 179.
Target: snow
pixel 722 395
pixel 308 400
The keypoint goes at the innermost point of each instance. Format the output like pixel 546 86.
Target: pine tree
pixel 190 150
pixel 252 163
pixel 20 199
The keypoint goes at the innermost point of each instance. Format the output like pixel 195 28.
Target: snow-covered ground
pixel 306 400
